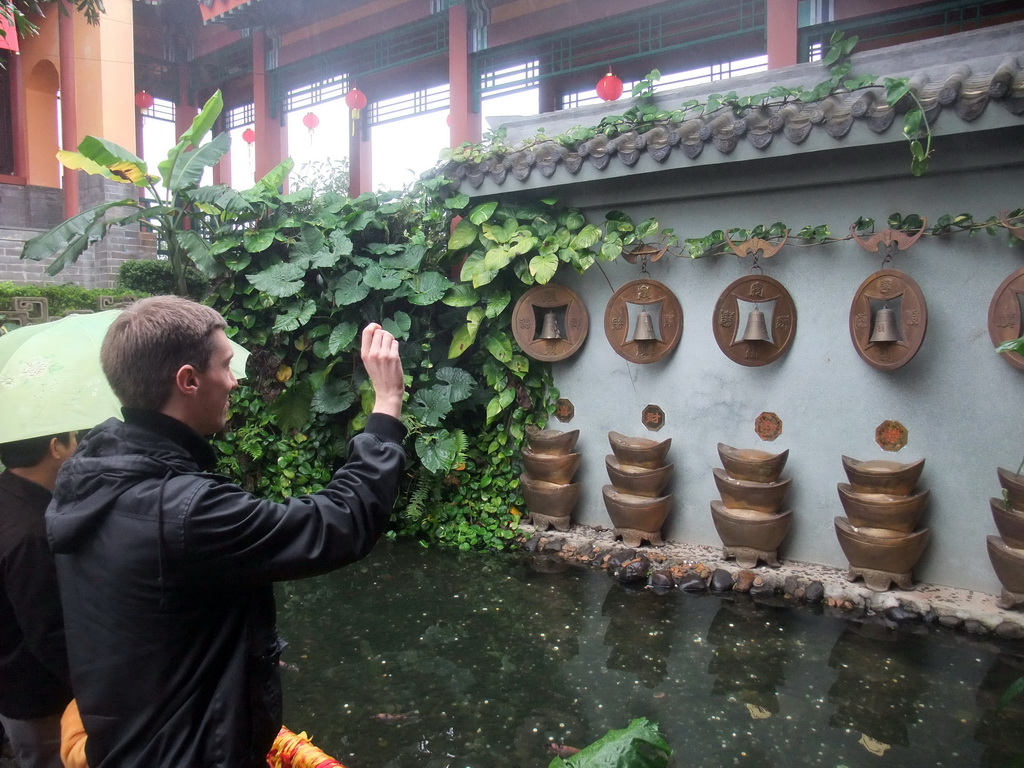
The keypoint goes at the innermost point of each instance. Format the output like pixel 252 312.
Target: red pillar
pixel 20 136
pixel 464 123
pixel 271 137
pixel 68 107
pixel 140 146
pixel 783 24
pixel 360 163
pixel 222 170
pixel 184 110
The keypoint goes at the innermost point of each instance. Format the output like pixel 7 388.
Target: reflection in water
pixel 430 659
pixel 877 687
pixel 1001 730
pixel 639 632
pixel 751 648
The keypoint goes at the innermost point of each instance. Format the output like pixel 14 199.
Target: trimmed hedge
pixel 62 298
pixel 156 278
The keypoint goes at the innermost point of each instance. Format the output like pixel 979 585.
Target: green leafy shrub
pixel 156 278
pixel 298 276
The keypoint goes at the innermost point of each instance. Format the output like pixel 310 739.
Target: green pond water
pixel 416 657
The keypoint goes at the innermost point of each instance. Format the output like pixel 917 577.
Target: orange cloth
pixel 290 750
pixel 72 738
pixel 293 750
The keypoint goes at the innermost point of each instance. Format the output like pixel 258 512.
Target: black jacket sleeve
pixel 250 540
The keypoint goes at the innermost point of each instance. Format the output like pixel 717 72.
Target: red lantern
pixel 609 87
pixel 248 135
pixel 310 120
pixel 143 100
pixel 356 100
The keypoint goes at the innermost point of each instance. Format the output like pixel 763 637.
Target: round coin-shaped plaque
pixel 895 296
pixel 1004 322
pixel 749 338
pixel 550 322
pixel 643 321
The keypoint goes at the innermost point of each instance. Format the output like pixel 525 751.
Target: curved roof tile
pixel 962 89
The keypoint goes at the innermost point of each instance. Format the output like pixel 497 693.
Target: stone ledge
pixel 972 611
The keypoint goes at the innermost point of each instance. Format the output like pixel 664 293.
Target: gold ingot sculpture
pixel 749 516
pixel 639 451
pixel 751 464
pixel 1006 551
pixel 882 476
pixel 882 510
pixel 550 463
pixel 881 556
pixel 635 500
pixel 879 534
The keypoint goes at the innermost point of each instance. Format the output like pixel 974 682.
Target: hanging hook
pixel 887 259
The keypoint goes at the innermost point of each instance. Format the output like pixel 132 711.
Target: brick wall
pixel 26 211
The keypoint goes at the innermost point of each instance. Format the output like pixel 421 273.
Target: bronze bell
pixel 757 328
pixel 885 326
pixel 549 330
pixel 644 327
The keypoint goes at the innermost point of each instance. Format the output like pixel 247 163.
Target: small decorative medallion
pixel 891 435
pixel 768 426
pixel 550 322
pixel 643 321
pixel 888 319
pixel 564 410
pixel 1004 323
pixel 653 418
pixel 754 320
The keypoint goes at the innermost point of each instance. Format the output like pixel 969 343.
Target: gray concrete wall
pixel 959 401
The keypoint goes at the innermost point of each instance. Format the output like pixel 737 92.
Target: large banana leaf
pixel 203 122
pixel 121 164
pixel 198 251
pixel 271 182
pixel 76 161
pixel 68 239
pixel 189 168
pixel 201 125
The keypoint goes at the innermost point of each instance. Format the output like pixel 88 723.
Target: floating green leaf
pixel 639 745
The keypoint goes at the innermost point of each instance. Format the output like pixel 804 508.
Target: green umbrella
pixel 51 380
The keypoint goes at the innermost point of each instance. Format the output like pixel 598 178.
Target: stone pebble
pixel 658 570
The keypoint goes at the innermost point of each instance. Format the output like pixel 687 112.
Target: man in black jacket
pixel 166 570
pixel 34 682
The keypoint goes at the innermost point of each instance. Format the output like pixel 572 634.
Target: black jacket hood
pixel 111 458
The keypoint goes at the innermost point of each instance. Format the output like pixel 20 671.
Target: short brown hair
pixel 148 343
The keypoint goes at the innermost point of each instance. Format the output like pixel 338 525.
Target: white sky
pixel 393 164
